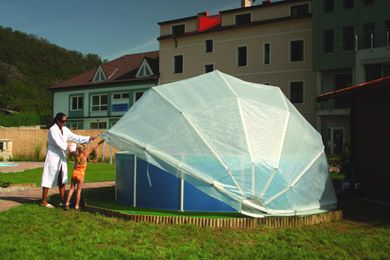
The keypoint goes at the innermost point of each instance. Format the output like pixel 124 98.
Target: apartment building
pixel 267 43
pixel 350 46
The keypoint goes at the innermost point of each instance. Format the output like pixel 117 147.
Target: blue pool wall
pixel 158 189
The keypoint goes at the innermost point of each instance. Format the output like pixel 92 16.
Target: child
pixel 81 156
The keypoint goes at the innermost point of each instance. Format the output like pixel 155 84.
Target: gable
pixel 144 70
pixel 100 75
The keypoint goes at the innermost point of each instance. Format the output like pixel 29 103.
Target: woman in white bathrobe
pixel 55 171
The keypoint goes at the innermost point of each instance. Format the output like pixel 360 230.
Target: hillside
pixel 28 65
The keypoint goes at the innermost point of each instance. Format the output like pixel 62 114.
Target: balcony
pixel 371 39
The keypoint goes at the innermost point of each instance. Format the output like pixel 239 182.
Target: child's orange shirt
pixel 80 167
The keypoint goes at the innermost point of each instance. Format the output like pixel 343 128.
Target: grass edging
pixel 32 185
pixel 275 222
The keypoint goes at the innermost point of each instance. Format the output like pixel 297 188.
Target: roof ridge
pixel 141 53
pixel 113 69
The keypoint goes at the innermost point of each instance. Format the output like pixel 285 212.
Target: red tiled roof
pixel 119 70
pixel 385 81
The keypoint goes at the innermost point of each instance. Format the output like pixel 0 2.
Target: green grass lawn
pixel 105 198
pixel 95 172
pixel 30 231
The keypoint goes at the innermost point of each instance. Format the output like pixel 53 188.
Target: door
pixel 335 140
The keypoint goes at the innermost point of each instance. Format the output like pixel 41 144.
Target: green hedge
pixel 20 119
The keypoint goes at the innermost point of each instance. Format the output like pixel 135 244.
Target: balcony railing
pixel 372 39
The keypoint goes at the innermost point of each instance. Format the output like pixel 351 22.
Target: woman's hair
pixel 58 117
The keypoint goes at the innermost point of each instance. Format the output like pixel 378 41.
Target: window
pixel 299 10
pixel 98 125
pixel 77 103
pixel 113 122
pixel 178 64
pixel 242 19
pixel 335 140
pixel 368 2
pixel 144 70
pixel 267 53
pixel 242 56
pixel 2 146
pixel 296 50
pixel 328 41
pixel 348 4
pixel 209 45
pixel 348 38
pixel 341 81
pixel 178 29
pixel 99 75
pixel 74 125
pixel 138 95
pixel 296 92
pixel 208 68
pixel 328 5
pixel 369 35
pixel 386 70
pixel 376 71
pixel 99 103
pixel 117 96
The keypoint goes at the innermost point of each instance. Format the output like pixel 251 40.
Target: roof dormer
pixel 100 75
pixel 144 70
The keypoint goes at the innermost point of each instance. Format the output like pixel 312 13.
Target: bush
pixel 4 184
pixel 20 119
pixel 37 152
pixel 26 158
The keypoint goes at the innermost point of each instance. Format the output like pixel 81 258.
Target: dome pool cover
pixel 242 143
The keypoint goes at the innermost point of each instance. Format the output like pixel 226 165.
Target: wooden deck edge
pixel 274 222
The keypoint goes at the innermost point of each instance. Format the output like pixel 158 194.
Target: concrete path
pixel 21 166
pixel 17 195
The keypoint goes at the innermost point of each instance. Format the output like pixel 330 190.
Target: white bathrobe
pixel 56 155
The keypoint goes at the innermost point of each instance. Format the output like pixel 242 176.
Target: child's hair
pixel 80 148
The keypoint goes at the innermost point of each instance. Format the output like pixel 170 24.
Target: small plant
pixel 4 184
pixel 37 152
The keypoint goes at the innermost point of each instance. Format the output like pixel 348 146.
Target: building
pixel 98 98
pixel 370 141
pixel 350 46
pixel 268 43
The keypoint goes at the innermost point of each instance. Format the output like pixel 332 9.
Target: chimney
pixel 246 3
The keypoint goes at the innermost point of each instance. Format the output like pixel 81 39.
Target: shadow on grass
pixel 354 208
pixel 105 198
pixel 20 199
pixel 361 210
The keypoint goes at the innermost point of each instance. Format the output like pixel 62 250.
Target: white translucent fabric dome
pixel 240 142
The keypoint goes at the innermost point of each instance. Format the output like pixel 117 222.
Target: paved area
pixel 14 196
pixel 21 166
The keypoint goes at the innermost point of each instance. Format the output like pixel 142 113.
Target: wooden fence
pixel 276 222
pixel 27 142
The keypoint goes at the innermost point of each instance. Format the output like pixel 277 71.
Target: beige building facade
pixel 269 43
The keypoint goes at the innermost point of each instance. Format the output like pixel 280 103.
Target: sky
pixel 109 29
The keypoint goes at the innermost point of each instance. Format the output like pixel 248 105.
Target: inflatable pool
pixel 7 164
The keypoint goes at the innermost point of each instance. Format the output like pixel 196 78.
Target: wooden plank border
pixel 274 222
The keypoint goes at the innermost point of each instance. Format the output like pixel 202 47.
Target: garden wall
pixel 28 142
